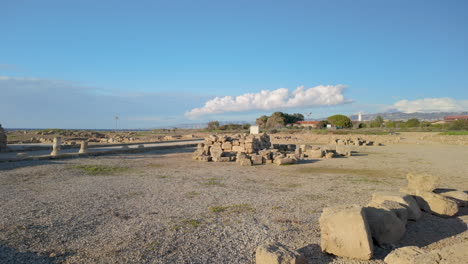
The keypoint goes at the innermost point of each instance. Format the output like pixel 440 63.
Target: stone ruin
pixel 3 139
pixel 354 142
pixel 257 149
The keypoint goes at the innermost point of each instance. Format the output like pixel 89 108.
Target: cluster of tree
pixel 278 119
pixel 340 121
pixel 214 125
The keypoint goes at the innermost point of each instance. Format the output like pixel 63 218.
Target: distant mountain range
pixel 400 116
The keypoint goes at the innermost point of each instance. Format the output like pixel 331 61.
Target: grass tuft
pixel 100 170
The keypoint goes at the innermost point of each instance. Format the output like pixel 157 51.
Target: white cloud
pixel 277 99
pixel 429 105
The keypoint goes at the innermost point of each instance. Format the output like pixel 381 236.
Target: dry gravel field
pixel 163 207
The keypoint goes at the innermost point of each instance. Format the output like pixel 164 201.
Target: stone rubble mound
pixel 349 231
pixel 354 142
pixel 250 149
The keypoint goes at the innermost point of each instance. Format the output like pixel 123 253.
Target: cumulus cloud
pixel 429 105
pixel 277 99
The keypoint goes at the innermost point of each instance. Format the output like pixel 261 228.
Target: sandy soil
pixel 162 207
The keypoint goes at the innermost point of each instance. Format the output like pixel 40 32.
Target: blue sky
pixel 76 64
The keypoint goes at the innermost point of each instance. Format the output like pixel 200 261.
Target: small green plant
pixel 212 182
pixel 454 133
pixel 218 209
pixel 99 170
pixel 192 194
pixel 235 208
pixel 187 223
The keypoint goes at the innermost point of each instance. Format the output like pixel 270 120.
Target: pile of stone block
pixel 349 231
pixel 354 142
pixel 3 139
pixel 245 149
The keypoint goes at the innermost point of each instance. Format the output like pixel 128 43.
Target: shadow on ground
pixel 9 255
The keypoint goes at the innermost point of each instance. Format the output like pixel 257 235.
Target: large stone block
pixel 385 226
pixel 414 212
pixel 433 203
pixel 345 232
pixel 256 159
pixel 276 253
pixel 315 154
pixel 460 197
pixel 284 161
pixel 422 182
pixel 399 209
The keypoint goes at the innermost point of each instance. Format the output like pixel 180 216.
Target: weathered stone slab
pixel 399 209
pixel 422 182
pixel 433 203
pixel 385 226
pixel 460 197
pixel 345 232
pixel 414 212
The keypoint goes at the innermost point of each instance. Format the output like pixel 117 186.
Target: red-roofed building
pixel 452 118
pixel 307 123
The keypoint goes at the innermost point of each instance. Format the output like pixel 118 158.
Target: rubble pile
pixel 257 149
pixel 354 142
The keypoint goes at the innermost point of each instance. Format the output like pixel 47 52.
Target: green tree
pixel 391 124
pixel 276 120
pixel 291 119
pixel 377 122
pixel 261 121
pixel 340 121
pixel 212 125
pixel 459 125
pixel 413 122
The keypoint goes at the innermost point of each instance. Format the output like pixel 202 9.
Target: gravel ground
pixel 163 207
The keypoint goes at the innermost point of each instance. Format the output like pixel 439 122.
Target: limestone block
pixel 276 253
pixel 345 232
pixel 256 159
pixel 422 182
pixel 284 161
pixel 460 197
pixel 238 149
pixel 399 209
pixel 226 146
pixel 385 226
pixel 315 154
pixel 414 212
pixel 433 203
pixel 329 155
pixel 245 162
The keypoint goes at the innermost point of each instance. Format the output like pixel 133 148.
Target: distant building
pixel 453 118
pixel 312 124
